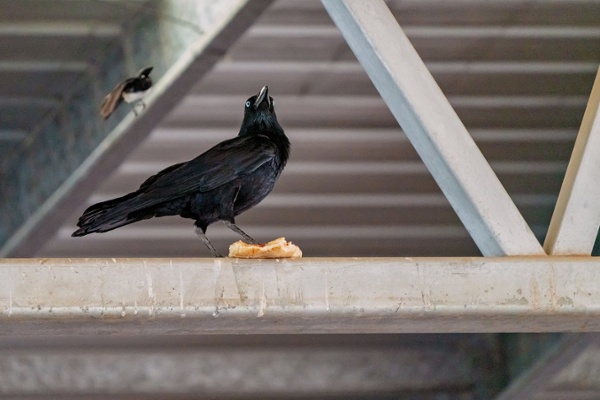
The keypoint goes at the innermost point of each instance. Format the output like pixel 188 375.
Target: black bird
pixel 220 184
pixel 131 90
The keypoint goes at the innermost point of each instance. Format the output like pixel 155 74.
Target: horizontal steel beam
pixel 311 295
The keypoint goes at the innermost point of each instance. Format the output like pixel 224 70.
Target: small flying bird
pixel 131 90
pixel 218 185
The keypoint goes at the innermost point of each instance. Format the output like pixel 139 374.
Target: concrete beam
pixel 347 295
pixel 72 151
pixel 433 127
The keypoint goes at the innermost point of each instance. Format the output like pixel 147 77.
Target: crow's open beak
pixel 262 96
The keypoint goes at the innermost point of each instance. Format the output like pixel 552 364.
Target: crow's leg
pixel 227 216
pixel 231 225
pixel 201 232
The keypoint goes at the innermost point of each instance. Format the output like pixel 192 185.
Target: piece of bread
pixel 277 248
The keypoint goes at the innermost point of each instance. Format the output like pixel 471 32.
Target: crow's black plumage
pixel 131 90
pixel 221 183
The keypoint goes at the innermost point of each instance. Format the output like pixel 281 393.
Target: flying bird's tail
pixel 112 100
pixel 109 215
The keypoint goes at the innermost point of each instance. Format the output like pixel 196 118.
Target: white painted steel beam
pixel 312 295
pixel 433 127
pixel 574 225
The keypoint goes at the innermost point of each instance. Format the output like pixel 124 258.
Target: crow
pixel 219 184
pixel 131 90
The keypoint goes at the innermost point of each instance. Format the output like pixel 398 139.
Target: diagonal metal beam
pixel 433 127
pixel 72 152
pixel 532 383
pixel 576 218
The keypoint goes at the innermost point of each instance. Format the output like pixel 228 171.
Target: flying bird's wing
pixel 112 100
pixel 221 164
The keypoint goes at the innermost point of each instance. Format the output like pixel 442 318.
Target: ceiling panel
pixel 517 73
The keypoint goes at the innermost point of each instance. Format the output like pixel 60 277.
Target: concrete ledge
pixel 311 295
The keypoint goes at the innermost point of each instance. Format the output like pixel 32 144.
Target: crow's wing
pixel 219 165
pixel 148 182
pixel 112 100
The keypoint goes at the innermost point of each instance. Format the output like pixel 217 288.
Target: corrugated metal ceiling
pixel 518 73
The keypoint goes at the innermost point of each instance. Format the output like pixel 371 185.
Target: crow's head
pixel 260 119
pixel 259 108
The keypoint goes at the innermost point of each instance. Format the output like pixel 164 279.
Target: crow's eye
pixel 248 104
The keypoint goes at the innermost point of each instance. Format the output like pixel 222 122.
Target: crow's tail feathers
pixel 106 216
